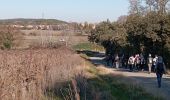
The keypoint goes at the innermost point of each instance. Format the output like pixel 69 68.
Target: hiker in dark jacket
pixel 160 69
pixel 108 59
pixel 142 62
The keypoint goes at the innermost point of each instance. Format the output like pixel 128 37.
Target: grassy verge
pixel 99 86
pixel 112 87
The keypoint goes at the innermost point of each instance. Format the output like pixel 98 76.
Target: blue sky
pixel 67 10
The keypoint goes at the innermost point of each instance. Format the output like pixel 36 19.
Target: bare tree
pixel 161 5
pixel 150 4
pixel 136 7
pixel 133 6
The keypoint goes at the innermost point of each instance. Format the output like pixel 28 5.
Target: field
pixel 27 74
pixel 45 37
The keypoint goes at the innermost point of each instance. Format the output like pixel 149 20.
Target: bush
pixel 7 44
pixel 9 37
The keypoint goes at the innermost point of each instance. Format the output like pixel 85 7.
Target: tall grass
pixel 26 74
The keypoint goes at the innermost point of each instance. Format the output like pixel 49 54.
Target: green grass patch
pixel 84 56
pixel 50 95
pixel 88 46
pixel 115 90
pixel 109 87
pixel 93 70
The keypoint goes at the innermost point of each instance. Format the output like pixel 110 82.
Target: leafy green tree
pixel 110 35
pixel 145 30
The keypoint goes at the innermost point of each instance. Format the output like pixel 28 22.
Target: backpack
pixel 150 60
pixel 155 61
pixel 138 60
pixel 130 60
pixel 160 68
pixel 116 59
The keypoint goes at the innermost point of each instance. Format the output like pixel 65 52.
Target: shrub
pixel 9 37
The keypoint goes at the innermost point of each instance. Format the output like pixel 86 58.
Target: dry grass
pixel 25 74
pixel 41 32
pixel 43 37
pixel 28 41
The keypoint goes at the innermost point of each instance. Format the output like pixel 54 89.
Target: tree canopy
pixel 145 30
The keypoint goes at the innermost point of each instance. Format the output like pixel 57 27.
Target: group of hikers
pixel 138 62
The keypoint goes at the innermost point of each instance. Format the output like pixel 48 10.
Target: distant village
pixel 75 26
pixel 41 27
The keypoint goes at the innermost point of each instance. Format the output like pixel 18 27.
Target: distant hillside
pixel 22 21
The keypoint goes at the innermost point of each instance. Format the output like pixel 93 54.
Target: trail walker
pixel 131 63
pixel 150 62
pixel 108 60
pixel 137 61
pixel 155 61
pixel 142 62
pixel 160 69
pixel 117 61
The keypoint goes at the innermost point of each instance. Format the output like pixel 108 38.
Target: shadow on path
pixel 147 81
pixel 96 58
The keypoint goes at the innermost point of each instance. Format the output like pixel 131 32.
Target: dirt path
pixel 147 81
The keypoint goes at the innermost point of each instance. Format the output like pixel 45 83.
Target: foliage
pixel 110 35
pixel 149 33
pixel 145 30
